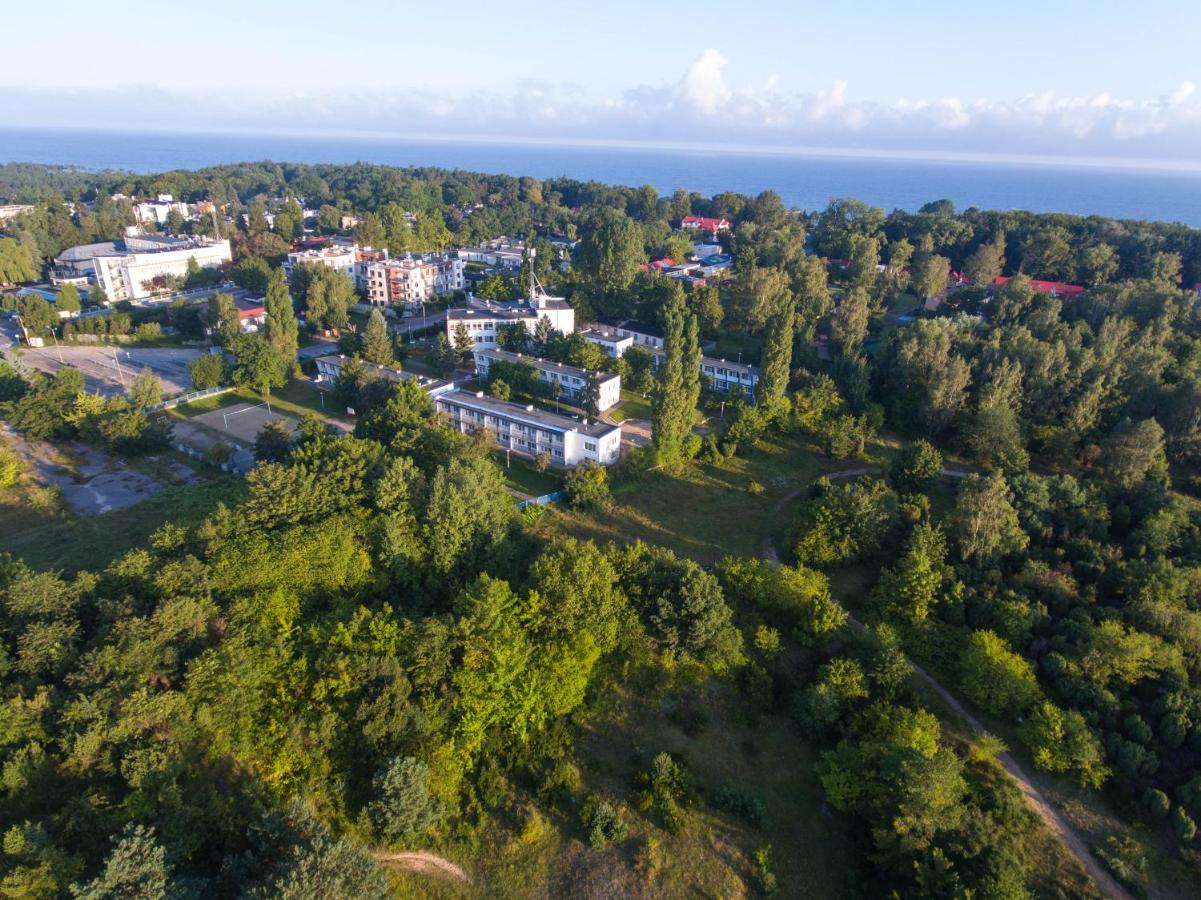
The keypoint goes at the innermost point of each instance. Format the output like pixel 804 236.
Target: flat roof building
pixel 412 279
pixel 484 319
pixel 329 369
pixel 569 381
pixel 529 431
pixel 607 338
pixel 140 265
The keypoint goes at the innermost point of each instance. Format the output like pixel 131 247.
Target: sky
pixel 1067 78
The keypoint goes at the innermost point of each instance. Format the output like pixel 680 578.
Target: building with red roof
pixel 705 223
pixel 1054 288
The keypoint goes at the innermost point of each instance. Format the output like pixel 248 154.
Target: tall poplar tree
pixel 282 330
pixel 777 353
pixel 677 388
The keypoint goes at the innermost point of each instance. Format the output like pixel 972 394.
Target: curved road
pixel 1040 805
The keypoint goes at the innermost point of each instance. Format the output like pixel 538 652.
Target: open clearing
pixel 243 421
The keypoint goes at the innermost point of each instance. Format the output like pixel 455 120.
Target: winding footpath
pixel 424 863
pixel 1038 803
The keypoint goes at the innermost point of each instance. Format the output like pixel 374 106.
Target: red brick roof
pixel 1059 288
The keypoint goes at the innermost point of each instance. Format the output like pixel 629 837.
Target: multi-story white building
pixel 529 431
pixel 12 210
pixel 484 319
pixel 649 336
pixel 720 374
pixel 329 370
pixel 156 211
pixel 137 266
pixel 501 252
pixel 569 381
pixel 351 260
pixel 412 280
pixel 605 337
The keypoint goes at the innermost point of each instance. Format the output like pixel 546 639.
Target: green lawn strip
pixel 632 406
pixel 74 543
pixel 520 474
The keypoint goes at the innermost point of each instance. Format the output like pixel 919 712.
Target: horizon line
pixel 1177 166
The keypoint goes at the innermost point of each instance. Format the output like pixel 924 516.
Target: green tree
pixel 907 590
pixel 463 342
pixel 776 367
pixel 370 232
pixel 984 521
pixel 916 467
pixel 252 273
pixel 848 325
pixel 135 870
pixel 257 364
pixel 1061 741
pixel 677 388
pixel 931 274
pixel 146 390
pixel 399 237
pixel 1134 452
pixel 16 262
pixel 222 316
pixel 282 331
pixel 611 251
pixel 987 261
pixel 443 357
pixel 587 486
pixel 1098 264
pixel 995 678
pixel 404 806
pixel 208 371
pixel 377 346
pixel 67 299
pixel 273 443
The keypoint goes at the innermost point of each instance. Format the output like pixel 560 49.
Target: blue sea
pixel 806 182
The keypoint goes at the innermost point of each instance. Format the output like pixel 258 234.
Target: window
pixel 589 446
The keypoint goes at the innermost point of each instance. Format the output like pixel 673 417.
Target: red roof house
pixel 1054 288
pixel 705 223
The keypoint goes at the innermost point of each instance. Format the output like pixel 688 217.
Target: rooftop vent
pixel 529 408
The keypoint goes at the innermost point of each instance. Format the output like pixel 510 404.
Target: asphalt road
pixel 110 368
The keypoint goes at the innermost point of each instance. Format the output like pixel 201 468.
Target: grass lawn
pixel 729 346
pixel 296 398
pixel 61 541
pixel 521 475
pixel 710 511
pixel 632 406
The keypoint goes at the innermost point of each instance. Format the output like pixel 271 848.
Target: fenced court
pixel 243 421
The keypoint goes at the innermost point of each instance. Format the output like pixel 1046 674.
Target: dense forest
pixel 373 649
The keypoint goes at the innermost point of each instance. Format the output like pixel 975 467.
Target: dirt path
pixel 1040 805
pixel 424 863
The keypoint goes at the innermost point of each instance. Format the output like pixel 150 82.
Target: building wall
pixel 484 328
pixel 571 380
pixel 125 277
pixel 565 447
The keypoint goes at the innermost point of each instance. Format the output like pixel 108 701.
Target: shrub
pixel 587 486
pixel 1183 824
pixel 764 877
pixel 404 806
pixel 10 465
pixel 741 806
pixel 1156 803
pixel 604 823
pixel 1125 858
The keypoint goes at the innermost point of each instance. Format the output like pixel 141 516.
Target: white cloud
pixel 704 84
pixel 705 105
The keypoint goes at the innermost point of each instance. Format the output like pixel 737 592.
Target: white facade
pixel 646 335
pixel 410 280
pixel 529 431
pixel 607 339
pixel 156 211
pixel 12 210
pixel 502 252
pixel 329 370
pixel 721 374
pixel 569 380
pixel 484 321
pixel 130 273
pixel 340 259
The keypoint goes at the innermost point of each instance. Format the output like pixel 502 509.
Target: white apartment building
pixel 351 260
pixel 501 252
pixel 607 339
pixel 484 319
pixel 156 211
pixel 529 431
pixel 133 268
pixel 412 280
pixel 649 336
pixel 329 370
pixel 569 380
pixel 720 374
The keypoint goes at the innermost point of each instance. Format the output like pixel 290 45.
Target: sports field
pixel 243 421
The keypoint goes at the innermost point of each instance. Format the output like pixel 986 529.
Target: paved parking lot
pixel 108 368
